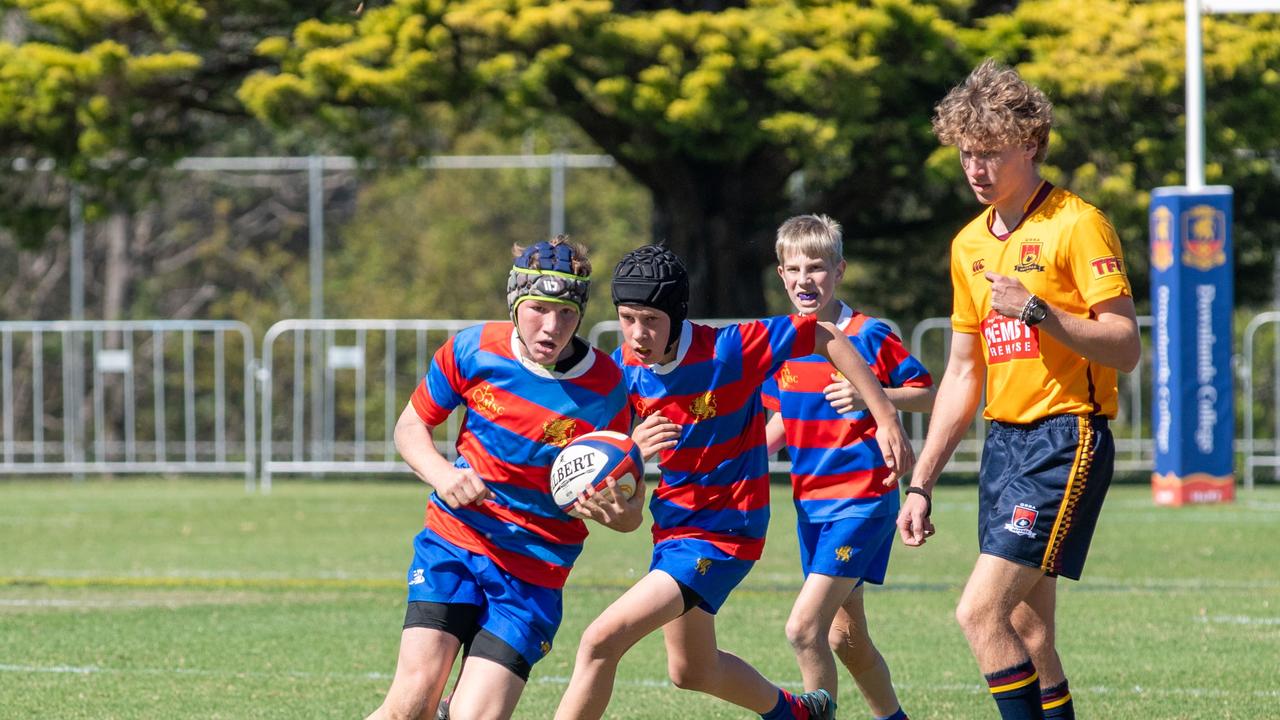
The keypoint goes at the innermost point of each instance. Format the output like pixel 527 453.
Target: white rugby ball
pixel 588 459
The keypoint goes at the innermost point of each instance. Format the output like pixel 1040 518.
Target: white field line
pixel 966 688
pixel 759 583
pixel 1236 620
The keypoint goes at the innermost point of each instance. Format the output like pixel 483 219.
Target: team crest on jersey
pixel 1206 237
pixel 1023 521
pixel 704 564
pixel 843 553
pixel 558 432
pixel 1162 238
pixel 1030 257
pixel 545 647
pixel 1106 266
pixel 483 401
pixel 703 407
pixel 786 378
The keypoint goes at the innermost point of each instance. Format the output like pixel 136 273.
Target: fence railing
pixel 158 396
pixel 132 396
pixel 322 373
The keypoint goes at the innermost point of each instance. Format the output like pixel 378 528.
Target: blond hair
pixel 816 236
pixel 581 261
pixel 994 108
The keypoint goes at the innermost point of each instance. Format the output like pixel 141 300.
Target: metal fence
pixel 146 396
pixel 180 396
pixel 340 386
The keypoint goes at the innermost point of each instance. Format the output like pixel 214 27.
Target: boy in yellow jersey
pixel 1042 308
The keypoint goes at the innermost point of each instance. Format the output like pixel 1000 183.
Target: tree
pixel 1116 73
pixel 717 108
pixel 106 95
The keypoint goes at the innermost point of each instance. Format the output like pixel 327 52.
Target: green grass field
pixel 191 599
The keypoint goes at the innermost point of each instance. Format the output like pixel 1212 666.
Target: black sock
pixel 1016 691
pixel 1056 702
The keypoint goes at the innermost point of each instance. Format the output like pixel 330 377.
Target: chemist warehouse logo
pixel 1009 339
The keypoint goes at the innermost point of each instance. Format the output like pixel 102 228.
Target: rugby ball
pixel 588 459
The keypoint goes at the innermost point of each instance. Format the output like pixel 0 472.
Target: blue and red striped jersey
pixel 519 416
pixel 837 468
pixel 715 481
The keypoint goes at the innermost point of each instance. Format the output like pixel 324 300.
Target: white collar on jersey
pixel 545 372
pixel 686 339
pixel 846 314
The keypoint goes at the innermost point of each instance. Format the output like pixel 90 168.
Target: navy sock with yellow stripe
pixel 1056 702
pixel 1016 691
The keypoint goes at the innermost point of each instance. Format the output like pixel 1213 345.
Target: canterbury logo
pixel 558 432
pixel 483 401
pixel 703 566
pixel 703 406
pixel 843 553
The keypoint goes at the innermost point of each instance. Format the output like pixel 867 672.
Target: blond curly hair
pixel 994 108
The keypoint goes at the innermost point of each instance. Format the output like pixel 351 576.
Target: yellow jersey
pixel 1065 251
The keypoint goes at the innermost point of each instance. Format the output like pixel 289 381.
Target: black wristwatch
pixel 1034 312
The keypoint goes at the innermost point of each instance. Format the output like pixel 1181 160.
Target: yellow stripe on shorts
pixel 1075 488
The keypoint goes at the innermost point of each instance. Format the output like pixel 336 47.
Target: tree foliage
pixel 735 115
pixel 1116 72
pixel 716 108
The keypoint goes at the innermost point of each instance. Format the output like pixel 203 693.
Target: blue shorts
pixel 851 548
pixel 704 568
pixel 523 615
pixel 1041 488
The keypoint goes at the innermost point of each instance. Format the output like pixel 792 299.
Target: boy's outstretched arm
pixel 890 435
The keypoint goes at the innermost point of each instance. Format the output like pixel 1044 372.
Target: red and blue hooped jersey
pixel 837 468
pixel 518 418
pixel 715 481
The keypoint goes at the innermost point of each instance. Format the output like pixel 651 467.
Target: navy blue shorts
pixel 1041 489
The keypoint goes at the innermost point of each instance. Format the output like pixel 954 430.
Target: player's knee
pixel 599 641
pixel 688 676
pixel 803 633
pixel 1033 634
pixel 974 616
pixel 855 650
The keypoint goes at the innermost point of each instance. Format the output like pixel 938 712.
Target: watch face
pixel 1037 313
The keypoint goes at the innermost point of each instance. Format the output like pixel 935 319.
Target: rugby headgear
pixel 652 276
pixel 544 271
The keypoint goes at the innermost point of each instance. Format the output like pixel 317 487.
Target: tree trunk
pixel 722 225
pixel 115 280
